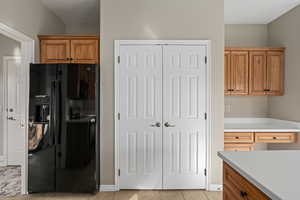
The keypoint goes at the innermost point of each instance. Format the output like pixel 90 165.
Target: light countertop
pixel 259 125
pixel 274 172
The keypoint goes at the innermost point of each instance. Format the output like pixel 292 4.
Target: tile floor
pixel 10 181
pixel 128 195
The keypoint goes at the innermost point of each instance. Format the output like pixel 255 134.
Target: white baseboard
pixel 215 187
pixel 3 161
pixel 113 188
pixel 108 188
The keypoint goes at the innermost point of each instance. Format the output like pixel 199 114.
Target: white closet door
pixel 15 132
pixel 140 109
pixel 184 107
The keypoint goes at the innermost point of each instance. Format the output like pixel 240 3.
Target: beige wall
pixel 8 47
pixel 85 29
pixel 156 19
pixel 246 35
pixel 31 18
pixel 243 106
pixel 285 32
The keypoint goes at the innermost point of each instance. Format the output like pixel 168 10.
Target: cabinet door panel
pixel 55 51
pixel 275 73
pixel 227 85
pixel 85 51
pixel 239 72
pixel 258 72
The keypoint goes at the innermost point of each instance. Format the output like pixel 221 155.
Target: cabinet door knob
pixel 237 137
pixel 243 193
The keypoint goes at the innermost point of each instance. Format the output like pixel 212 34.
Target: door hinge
pixel 205 116
pixel 119 116
pixel 205 172
pixel 205 59
pixel 119 172
pixel 119 59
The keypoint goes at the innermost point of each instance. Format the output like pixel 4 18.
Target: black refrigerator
pixel 63 135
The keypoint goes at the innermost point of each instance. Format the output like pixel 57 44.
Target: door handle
pixel 157 124
pixel 169 125
pixel 11 118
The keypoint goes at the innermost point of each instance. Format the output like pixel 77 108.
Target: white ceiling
pixel 75 11
pixel 256 11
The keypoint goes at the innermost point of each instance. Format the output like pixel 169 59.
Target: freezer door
pixel 76 145
pixel 41 141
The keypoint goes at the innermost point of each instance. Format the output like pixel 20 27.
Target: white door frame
pixel 27 57
pixel 209 93
pixel 4 79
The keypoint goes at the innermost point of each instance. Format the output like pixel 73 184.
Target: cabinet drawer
pixel 238 147
pixel 238 137
pixel 237 187
pixel 275 137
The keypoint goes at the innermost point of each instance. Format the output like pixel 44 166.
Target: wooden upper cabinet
pixel 274 80
pixel 69 49
pixel 239 72
pixel 55 51
pixel 258 73
pixel 84 51
pixel 254 71
pixel 227 85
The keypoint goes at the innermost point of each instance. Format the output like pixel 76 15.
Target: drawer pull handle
pixel 275 138
pixel 237 137
pixel 243 193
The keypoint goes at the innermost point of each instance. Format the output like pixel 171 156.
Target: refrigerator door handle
pixel 58 111
pixel 52 123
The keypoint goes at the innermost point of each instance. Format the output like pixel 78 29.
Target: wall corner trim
pixel 108 188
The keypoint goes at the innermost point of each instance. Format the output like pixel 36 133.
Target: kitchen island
pixel 260 175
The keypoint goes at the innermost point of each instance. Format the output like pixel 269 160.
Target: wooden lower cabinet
pixel 236 187
pixel 238 147
pixel 236 137
pixel 245 141
pixel 275 137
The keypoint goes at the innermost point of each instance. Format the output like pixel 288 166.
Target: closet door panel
pixel 140 117
pixel 184 107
